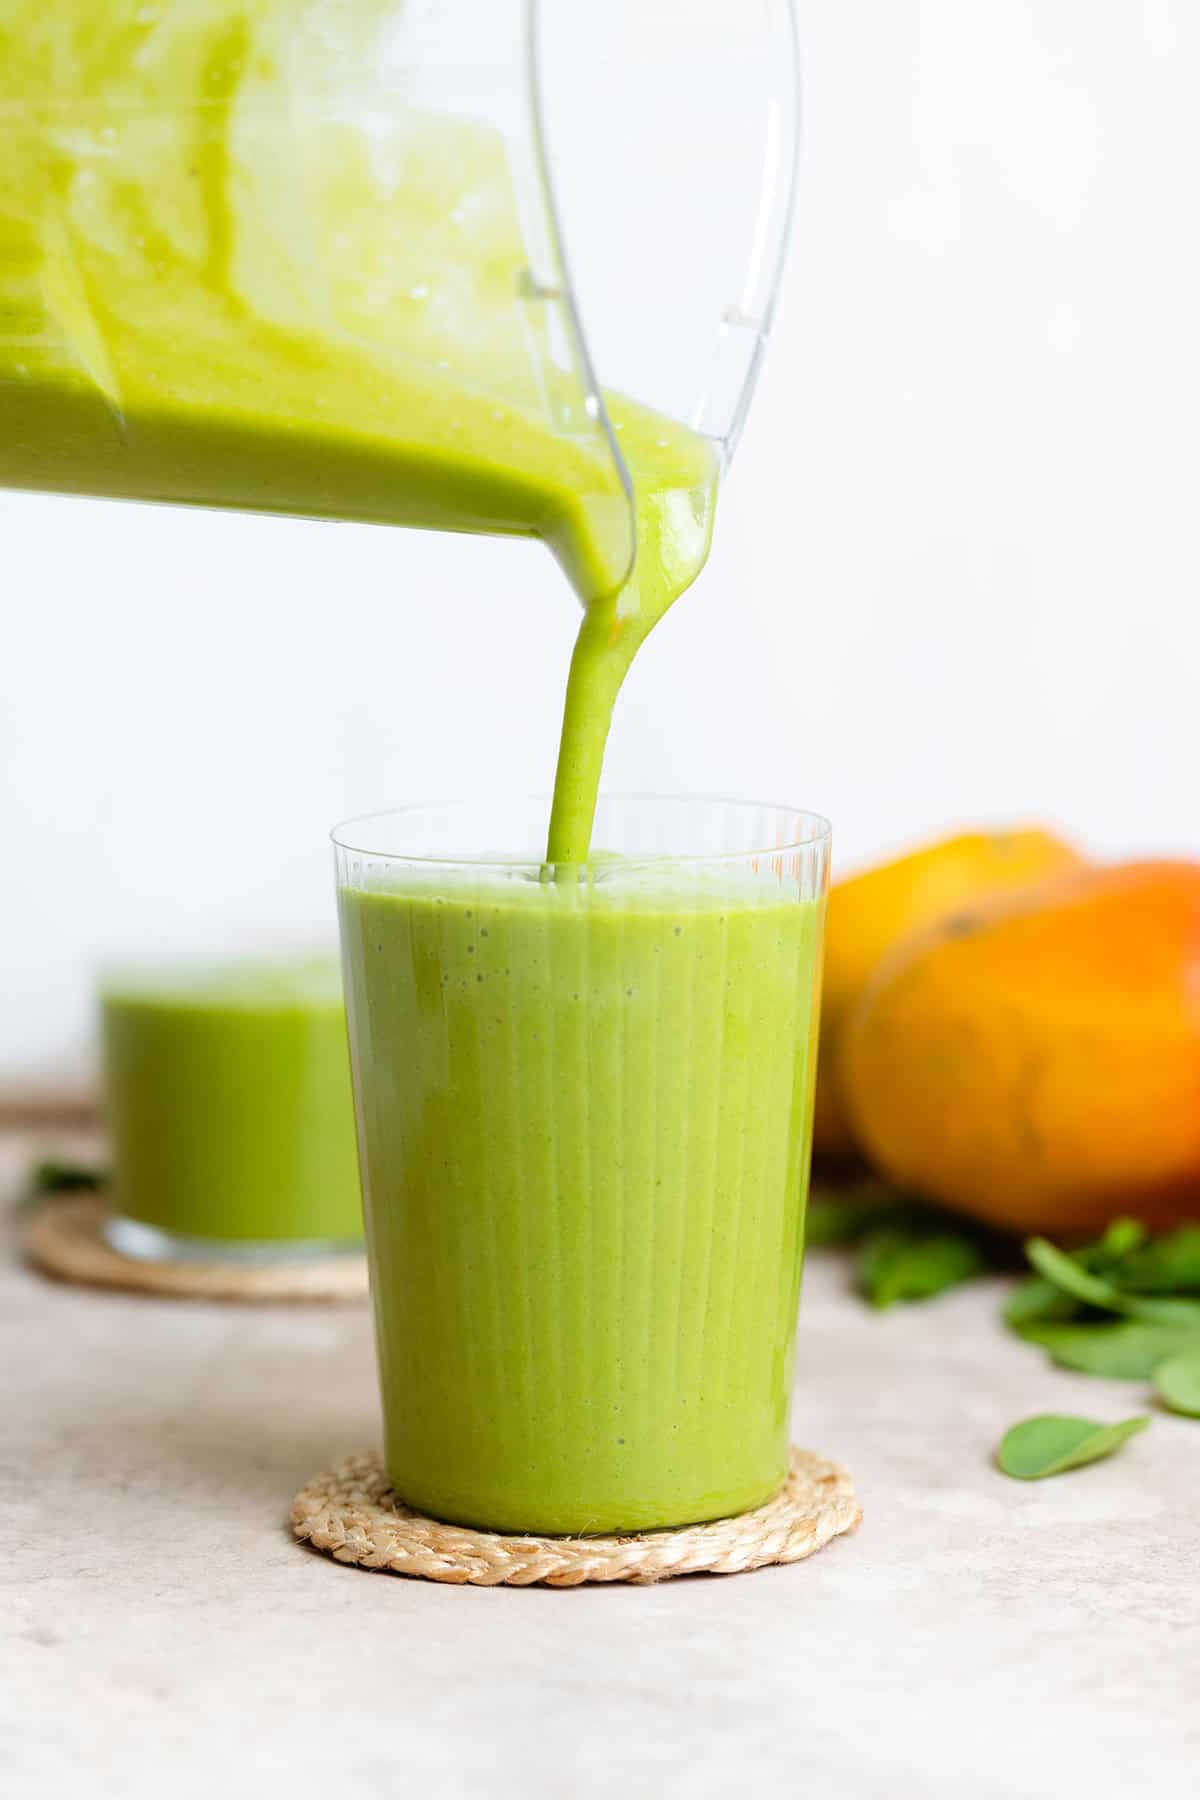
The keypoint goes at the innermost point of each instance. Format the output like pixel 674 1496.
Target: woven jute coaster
pixel 66 1238
pixel 352 1513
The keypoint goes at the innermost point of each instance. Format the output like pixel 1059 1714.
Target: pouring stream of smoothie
pixel 675 476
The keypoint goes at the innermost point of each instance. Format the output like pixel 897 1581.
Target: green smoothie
pixel 228 1091
pixel 584 1114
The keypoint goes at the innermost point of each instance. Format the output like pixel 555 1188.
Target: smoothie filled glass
pixel 584 1101
pixel 228 1096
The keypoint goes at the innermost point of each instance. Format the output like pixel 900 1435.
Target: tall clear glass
pixel 584 1111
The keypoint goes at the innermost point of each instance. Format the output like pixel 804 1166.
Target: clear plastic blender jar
pixel 387 262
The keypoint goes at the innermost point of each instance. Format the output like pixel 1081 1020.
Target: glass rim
pixel 814 831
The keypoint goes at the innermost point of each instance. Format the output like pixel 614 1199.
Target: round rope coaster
pixel 66 1238
pixel 351 1513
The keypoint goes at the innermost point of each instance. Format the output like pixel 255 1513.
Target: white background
pixel 954 581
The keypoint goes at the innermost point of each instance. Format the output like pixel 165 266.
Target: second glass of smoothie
pixel 228 1096
pixel 584 1101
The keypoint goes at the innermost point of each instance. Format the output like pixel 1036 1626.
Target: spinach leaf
pixel 1166 1265
pixel 1178 1382
pixel 55 1177
pixel 1067 1273
pixel 1036 1302
pixel 841 1215
pixel 1126 1351
pixel 1120 1240
pixel 1051 1443
pixel 897 1264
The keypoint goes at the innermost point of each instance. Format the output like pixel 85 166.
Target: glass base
pixel 146 1243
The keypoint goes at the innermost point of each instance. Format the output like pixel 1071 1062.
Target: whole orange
pixel 1034 1059
pixel 870 913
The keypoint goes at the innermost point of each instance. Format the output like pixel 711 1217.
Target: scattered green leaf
pixel 56 1177
pixel 1051 1443
pixel 1036 1302
pixel 895 1264
pixel 1166 1265
pixel 1118 1308
pixel 1164 1309
pixel 1178 1382
pixel 905 1249
pixel 843 1215
pixel 1120 1240
pixel 1067 1273
pixel 1126 1351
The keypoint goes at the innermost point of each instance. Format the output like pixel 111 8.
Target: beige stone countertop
pixel 161 1635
